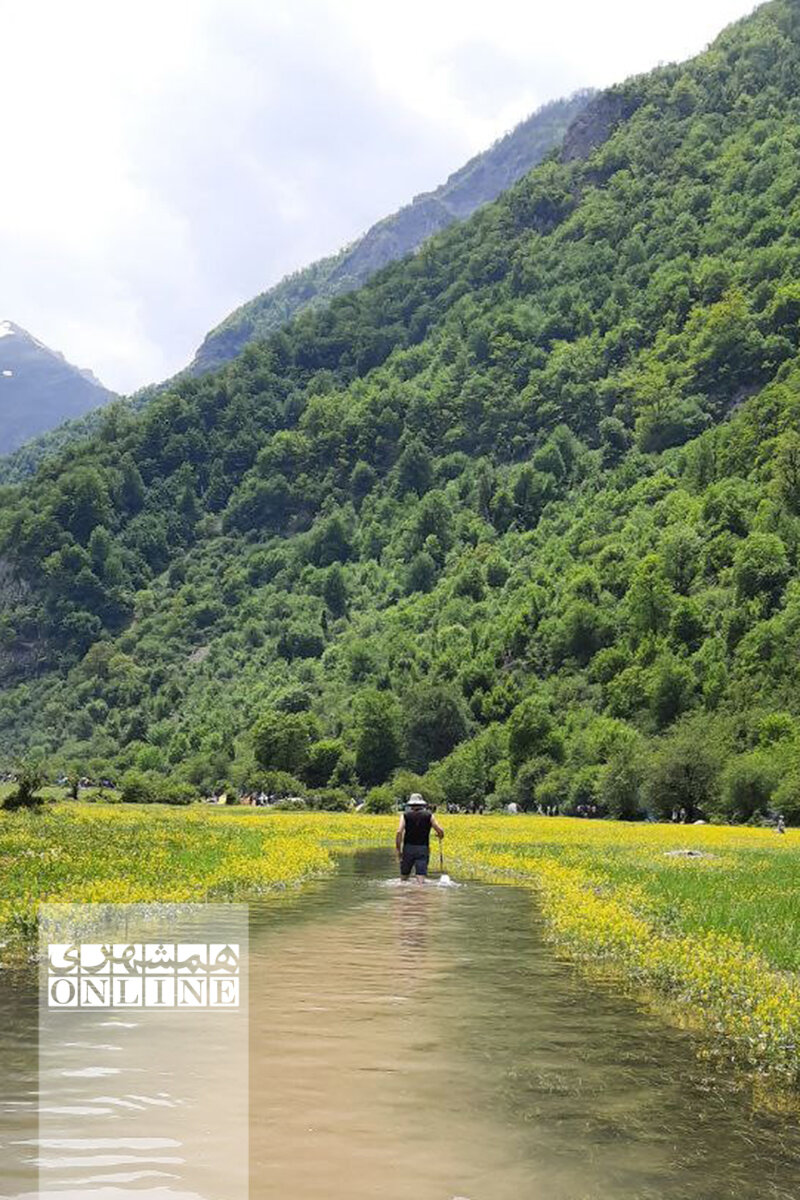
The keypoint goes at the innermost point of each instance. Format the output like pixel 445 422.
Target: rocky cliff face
pixel 39 388
pixel 478 182
pixel 595 124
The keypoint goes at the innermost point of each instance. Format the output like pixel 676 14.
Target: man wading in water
pixel 413 838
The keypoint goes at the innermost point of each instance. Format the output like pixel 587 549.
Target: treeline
pixel 518 518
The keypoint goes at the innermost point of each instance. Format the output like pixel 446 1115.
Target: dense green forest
pixel 521 516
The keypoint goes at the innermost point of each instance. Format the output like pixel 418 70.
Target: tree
pixel 330 541
pixel 532 733
pixel 414 469
pixel 548 460
pixel 258 504
pixel 786 798
pixel 531 492
pixel 680 550
pixel 188 505
pixel 686 625
pixel 100 545
pixel 421 574
pixel 332 799
pixel 761 567
pixel 649 598
pixel 787 469
pixel 464 777
pixel 619 784
pixel 377 737
pixel 725 345
pixel 671 423
pixel 294 700
pixel 497 571
pixel 748 785
pixel 469 582
pixel 683 771
pixel 380 800
pixel 322 760
pixel 132 491
pixel 729 505
pixel 584 786
pixel 137 787
pixel 685 96
pixel 362 481
pixel 218 490
pixel 672 689
pixel 434 519
pixel 529 776
pixel 435 722
pixel 615 440
pixel 282 741
pixel 83 502
pixel 30 775
pixel 579 634
pixel 300 641
pixel 334 591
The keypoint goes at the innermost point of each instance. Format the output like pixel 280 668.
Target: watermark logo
pixel 143 975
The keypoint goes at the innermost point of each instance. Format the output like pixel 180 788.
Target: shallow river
pixel 410 1042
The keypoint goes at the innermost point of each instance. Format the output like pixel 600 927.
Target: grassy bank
pixel 715 930
pixel 92 853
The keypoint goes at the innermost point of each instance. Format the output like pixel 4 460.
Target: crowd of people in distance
pixel 84 782
pixel 254 799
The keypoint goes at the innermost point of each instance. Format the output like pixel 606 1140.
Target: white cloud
pixel 165 161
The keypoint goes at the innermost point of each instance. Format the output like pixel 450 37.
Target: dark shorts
pixel 415 857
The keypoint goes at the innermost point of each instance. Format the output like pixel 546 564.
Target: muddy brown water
pixel 428 1043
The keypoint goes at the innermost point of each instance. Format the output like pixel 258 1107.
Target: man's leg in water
pixel 413 860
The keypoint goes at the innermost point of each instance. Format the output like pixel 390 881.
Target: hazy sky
pixel 166 160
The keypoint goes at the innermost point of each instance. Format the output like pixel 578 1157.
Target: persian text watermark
pixel 143 975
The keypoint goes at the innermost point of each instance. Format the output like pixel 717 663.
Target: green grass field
pixel 715 930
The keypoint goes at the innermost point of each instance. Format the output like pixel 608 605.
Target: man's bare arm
pixel 398 837
pixel 439 831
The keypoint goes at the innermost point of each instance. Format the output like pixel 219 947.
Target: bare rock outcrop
pixel 595 124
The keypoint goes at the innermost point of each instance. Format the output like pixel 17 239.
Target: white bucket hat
pixel 416 801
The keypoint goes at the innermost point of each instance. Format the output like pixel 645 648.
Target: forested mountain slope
pixel 522 513
pixel 479 181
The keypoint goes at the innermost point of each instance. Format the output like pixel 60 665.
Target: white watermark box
pixel 143 1051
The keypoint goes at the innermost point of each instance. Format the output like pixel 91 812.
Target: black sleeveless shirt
pixel 418 827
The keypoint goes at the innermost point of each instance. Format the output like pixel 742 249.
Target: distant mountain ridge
pixel 39 388
pixel 481 180
pixel 478 182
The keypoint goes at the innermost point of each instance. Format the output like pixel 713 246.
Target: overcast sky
pixel 166 160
